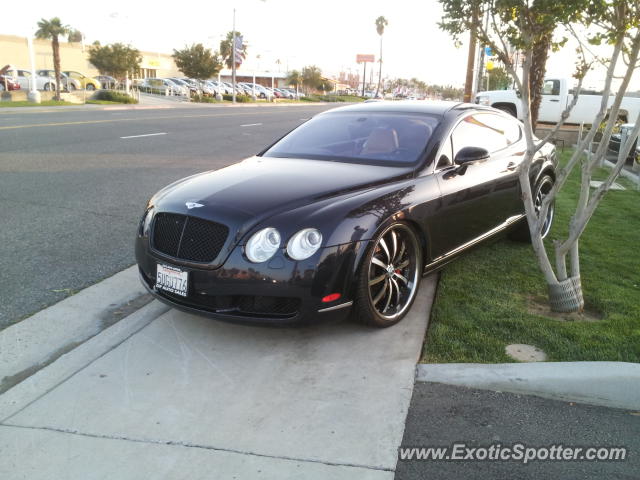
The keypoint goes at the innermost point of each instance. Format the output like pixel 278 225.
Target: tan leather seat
pixel 381 141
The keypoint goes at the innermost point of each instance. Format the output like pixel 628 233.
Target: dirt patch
pixel 537 305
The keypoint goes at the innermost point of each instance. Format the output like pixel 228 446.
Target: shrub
pixel 331 98
pixel 112 96
pixel 239 98
pixel 203 99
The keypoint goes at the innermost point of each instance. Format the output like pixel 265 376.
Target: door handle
pixel 511 166
pixel 554 100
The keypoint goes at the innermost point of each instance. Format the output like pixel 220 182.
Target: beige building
pixel 14 51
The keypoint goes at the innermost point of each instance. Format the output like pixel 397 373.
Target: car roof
pixel 433 107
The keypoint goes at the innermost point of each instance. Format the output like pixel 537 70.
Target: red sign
pixel 361 58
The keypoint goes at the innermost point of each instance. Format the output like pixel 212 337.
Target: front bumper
pixel 280 291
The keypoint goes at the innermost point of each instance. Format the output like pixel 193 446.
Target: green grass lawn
pixel 44 103
pixel 483 299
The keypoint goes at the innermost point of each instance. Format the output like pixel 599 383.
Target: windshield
pixel 381 137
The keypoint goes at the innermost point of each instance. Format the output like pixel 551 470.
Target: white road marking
pixel 251 125
pixel 146 135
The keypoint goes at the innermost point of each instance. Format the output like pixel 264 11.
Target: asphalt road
pixel 441 415
pixel 72 188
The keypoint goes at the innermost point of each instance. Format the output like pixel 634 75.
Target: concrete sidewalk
pixel 184 396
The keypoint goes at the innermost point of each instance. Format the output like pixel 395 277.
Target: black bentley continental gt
pixel 346 213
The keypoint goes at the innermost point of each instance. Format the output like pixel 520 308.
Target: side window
pixel 478 131
pixel 512 130
pixel 551 87
pixel 509 127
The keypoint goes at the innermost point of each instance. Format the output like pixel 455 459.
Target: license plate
pixel 172 279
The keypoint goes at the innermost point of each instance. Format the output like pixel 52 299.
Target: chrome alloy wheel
pixel 544 187
pixel 394 271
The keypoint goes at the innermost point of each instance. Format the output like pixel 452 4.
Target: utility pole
pixel 233 57
pixel 364 77
pixel 471 58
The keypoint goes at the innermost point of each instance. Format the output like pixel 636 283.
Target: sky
pixel 328 34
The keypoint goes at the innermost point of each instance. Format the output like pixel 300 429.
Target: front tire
pixel 91 87
pixel 389 277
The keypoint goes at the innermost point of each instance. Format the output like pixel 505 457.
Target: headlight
pixel 304 244
pixel 482 100
pixel 262 245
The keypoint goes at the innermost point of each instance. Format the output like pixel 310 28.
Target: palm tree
pixel 51 30
pixel 381 22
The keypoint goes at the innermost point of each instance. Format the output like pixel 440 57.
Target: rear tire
pixel 90 87
pixel 389 277
pixel 521 232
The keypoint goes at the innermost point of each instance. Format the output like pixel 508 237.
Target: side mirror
pixel 471 154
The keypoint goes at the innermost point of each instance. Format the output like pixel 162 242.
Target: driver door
pixel 480 197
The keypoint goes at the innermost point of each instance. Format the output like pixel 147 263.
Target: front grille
pixel 245 305
pixel 188 238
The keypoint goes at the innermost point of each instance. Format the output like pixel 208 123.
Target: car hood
pixel 244 194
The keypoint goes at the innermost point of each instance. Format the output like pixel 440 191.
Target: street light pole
pixel 33 95
pixel 233 57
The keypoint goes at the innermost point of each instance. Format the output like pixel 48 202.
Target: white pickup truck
pixel 556 95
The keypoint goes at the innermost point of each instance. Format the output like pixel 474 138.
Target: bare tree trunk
pixel 536 78
pixel 564 284
pixel 55 45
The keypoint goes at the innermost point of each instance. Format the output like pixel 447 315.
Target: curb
pixel 609 384
pixel 49 377
pixel 33 343
pixel 635 178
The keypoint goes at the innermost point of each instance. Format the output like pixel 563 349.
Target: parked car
pixel 88 83
pixel 66 83
pixel 222 87
pixel 243 89
pixel 186 86
pixel 274 92
pixel 286 93
pixel 293 92
pixel 23 77
pixel 107 81
pixel 160 86
pixel 345 213
pixel 209 88
pixel 240 89
pixel 179 87
pixel 556 95
pixel 616 139
pixel 251 89
pixel 8 82
pixel 193 84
